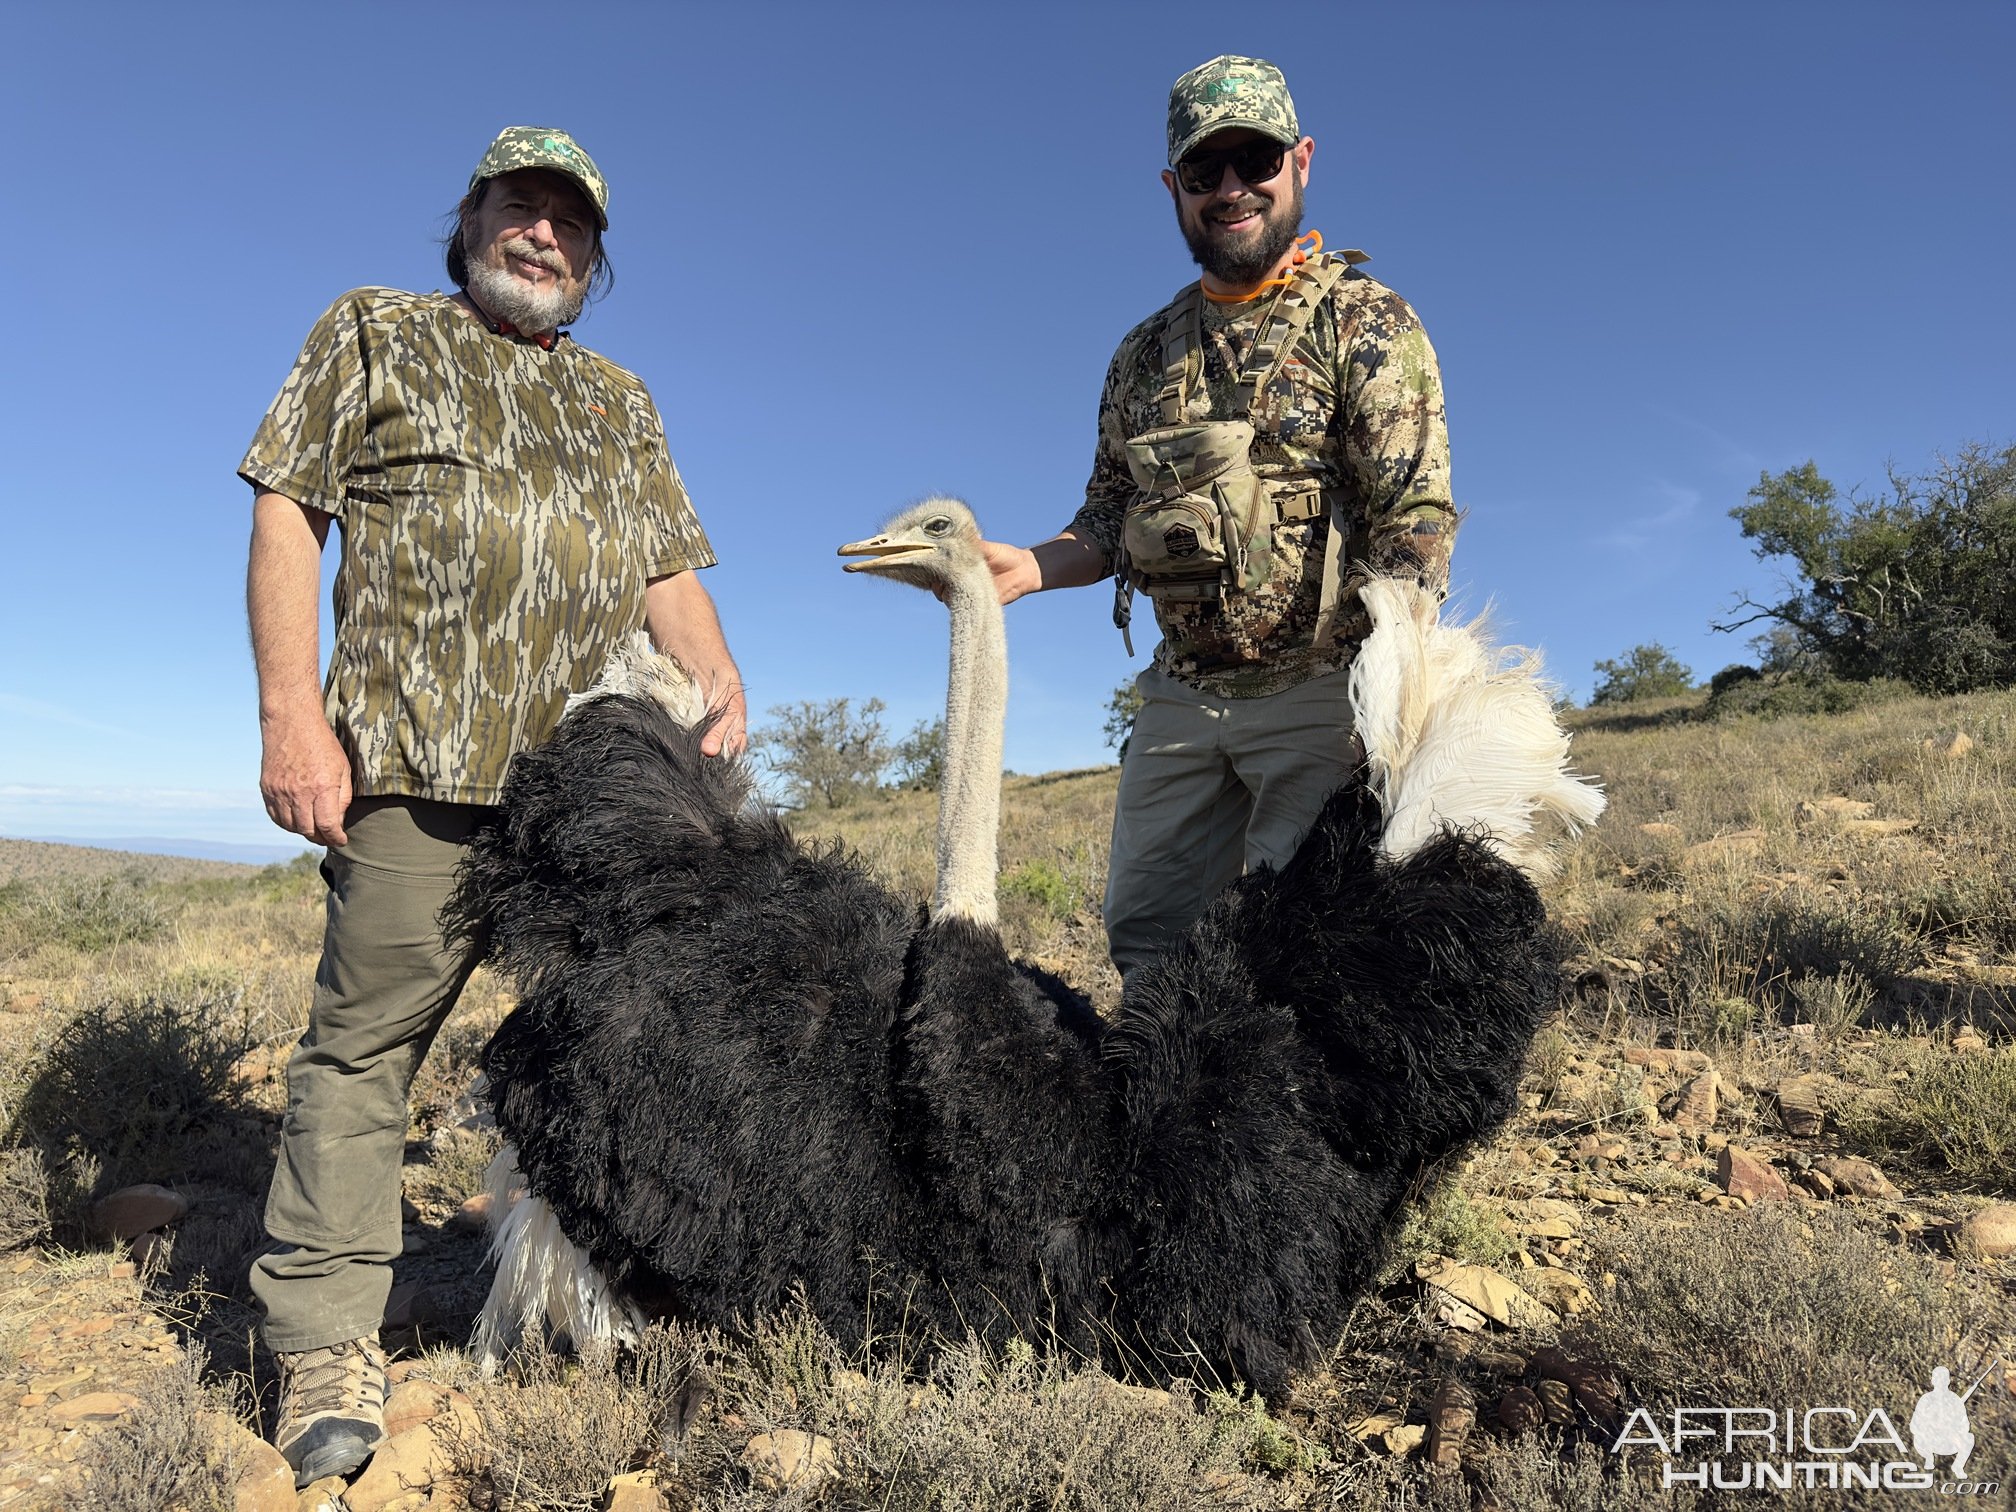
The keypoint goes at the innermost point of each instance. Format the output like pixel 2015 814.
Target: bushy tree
pixel 1643 672
pixel 919 762
pixel 827 754
pixel 1920 584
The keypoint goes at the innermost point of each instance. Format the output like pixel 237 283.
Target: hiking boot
pixel 332 1408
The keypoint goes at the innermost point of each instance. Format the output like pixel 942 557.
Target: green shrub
pixel 82 913
pixel 1044 883
pixel 1956 1112
pixel 1779 698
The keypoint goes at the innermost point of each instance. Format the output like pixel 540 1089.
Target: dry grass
pixel 166 1452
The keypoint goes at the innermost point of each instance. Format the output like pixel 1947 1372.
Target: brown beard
pixel 1251 258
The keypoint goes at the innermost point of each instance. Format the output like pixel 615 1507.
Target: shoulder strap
pixel 1182 353
pixel 1292 312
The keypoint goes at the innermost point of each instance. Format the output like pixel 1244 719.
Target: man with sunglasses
pixel 1293 406
pixel 509 515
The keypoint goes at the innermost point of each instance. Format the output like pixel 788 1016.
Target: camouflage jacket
pixel 1357 405
pixel 501 509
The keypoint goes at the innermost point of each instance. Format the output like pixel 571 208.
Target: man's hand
pixel 305 778
pixel 1015 570
pixel 730 734
pixel 681 619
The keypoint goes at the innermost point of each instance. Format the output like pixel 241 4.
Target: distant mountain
pixel 201 850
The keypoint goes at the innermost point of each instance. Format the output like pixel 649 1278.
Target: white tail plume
pixel 1461 734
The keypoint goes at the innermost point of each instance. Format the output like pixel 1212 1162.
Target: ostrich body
pixel 740 1065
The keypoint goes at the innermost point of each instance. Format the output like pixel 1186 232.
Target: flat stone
pixel 636 1492
pixel 61 1381
pixel 94 1407
pixel 1991 1232
pixel 1736 845
pixel 1876 829
pixel 132 1211
pixel 1503 1302
pixel 1376 1425
pixel 1551 1228
pixel 1741 1174
pixel 473 1216
pixel 1832 808
pixel 790 1460
pixel 1659 830
pixel 1856 1177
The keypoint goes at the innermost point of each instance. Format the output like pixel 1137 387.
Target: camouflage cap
pixel 1226 92
pixel 544 147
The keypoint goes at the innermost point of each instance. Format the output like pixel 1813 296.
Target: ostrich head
pixel 935 545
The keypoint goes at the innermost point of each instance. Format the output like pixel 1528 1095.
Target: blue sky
pixel 868 252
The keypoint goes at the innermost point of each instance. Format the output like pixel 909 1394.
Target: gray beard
pixel 509 298
pixel 1251 260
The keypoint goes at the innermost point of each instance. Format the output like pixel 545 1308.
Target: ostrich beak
pixel 882 551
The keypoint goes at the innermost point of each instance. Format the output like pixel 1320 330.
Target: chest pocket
pixel 1200 525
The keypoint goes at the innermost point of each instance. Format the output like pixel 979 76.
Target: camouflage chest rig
pixel 1200 527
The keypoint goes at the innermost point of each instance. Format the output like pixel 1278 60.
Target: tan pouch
pixel 1189 532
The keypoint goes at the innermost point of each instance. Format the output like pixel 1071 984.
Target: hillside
pixel 39 861
pixel 1764 1157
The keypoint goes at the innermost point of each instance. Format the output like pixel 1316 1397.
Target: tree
pixel 1645 672
pixel 1919 585
pixel 1120 711
pixel 827 754
pixel 920 756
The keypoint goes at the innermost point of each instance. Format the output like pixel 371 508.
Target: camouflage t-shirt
pixel 1357 406
pixel 501 509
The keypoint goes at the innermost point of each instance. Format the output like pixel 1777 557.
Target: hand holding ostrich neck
pixel 937 546
pixel 742 1069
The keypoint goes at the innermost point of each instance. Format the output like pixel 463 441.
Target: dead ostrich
pixel 741 1066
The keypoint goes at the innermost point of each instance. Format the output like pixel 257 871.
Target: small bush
pixel 84 914
pixel 1772 1306
pixel 1044 883
pixel 1737 964
pixel 557 1430
pixel 24 1198
pixel 142 1090
pixel 1956 1113
pixel 1449 1221
pixel 1779 698
pixel 169 1451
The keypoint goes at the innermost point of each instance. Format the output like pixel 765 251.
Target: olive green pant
pixel 385 984
pixel 1210 788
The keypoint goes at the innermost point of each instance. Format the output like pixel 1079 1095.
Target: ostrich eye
pixel 938 525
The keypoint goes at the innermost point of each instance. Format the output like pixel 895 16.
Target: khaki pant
pixel 383 989
pixel 1210 788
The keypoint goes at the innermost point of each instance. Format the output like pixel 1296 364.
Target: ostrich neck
pixel 969 796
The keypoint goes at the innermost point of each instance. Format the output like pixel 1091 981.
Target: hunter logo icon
pixel 1180 541
pixel 1939 1423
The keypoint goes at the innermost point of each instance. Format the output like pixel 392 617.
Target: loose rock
pixel 1489 1293
pixel 1743 1175
pixel 1802 1105
pixel 636 1492
pixel 1858 1178
pixel 1520 1410
pixel 1990 1233
pixel 1670 1061
pixel 791 1460
pixel 1693 1107
pixel 132 1211
pixel 1451 1415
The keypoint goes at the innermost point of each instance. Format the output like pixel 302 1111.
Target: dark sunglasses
pixel 1254 162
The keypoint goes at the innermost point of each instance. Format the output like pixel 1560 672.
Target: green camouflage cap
pixel 544 147
pixel 1226 92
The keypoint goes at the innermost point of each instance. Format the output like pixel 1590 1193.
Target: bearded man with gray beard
pixel 1267 438
pixel 508 514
